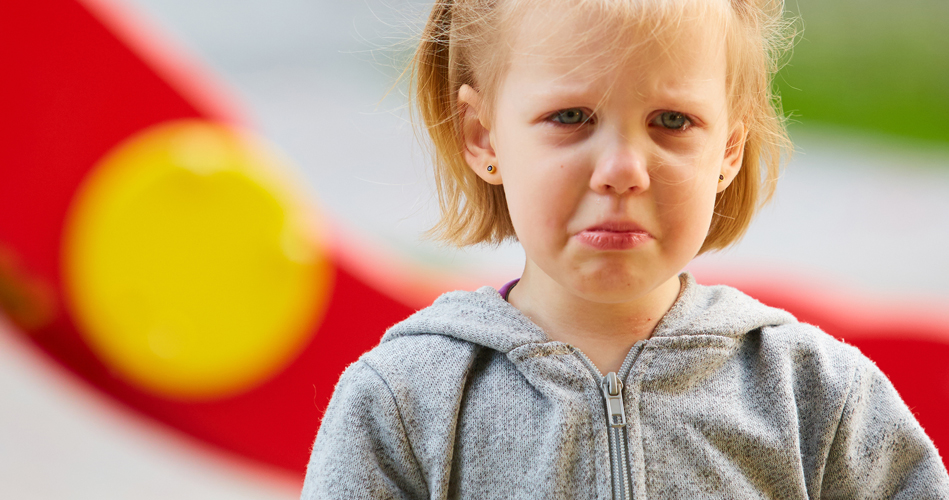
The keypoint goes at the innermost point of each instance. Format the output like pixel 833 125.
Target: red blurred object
pixel 83 76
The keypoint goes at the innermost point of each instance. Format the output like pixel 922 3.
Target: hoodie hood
pixel 484 318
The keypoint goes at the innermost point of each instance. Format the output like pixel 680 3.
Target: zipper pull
pixel 613 392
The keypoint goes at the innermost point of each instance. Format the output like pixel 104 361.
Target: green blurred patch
pixel 872 65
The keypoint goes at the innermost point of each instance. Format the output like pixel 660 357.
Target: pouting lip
pixel 617 227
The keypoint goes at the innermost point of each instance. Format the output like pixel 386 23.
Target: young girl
pixel 615 140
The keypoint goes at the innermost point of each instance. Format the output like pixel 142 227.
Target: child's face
pixel 610 167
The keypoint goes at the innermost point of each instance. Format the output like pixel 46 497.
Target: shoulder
pixel 413 380
pixel 822 371
pixel 443 339
pixel 769 332
pixel 418 356
pixel 428 340
pixel 406 369
pixel 399 382
pixel 856 433
pixel 774 342
pixel 809 348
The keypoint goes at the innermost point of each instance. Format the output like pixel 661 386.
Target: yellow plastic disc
pixel 191 268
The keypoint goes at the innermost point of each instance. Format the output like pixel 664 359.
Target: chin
pixel 615 287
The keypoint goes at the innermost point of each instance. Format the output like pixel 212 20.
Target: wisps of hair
pixel 758 46
pixel 461 45
pixel 472 211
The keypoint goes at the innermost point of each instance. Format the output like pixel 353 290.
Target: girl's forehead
pixel 591 45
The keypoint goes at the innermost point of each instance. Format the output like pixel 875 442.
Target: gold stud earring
pixel 491 169
pixel 721 177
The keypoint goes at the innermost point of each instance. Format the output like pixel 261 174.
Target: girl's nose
pixel 621 169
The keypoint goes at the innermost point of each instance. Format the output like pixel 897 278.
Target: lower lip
pixel 613 240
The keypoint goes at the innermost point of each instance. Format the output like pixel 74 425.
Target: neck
pixel 605 332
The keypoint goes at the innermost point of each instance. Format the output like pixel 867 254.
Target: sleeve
pixel 361 449
pixel 880 450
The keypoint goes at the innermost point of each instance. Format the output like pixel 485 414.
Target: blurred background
pixel 861 218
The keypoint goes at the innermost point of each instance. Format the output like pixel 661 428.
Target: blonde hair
pixel 460 46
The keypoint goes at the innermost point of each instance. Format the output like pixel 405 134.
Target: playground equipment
pixel 160 250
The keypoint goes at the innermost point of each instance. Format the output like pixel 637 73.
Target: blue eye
pixel 673 121
pixel 572 116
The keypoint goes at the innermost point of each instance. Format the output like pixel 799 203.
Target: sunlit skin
pixel 581 138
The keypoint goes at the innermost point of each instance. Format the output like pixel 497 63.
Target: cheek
pixel 542 195
pixel 685 194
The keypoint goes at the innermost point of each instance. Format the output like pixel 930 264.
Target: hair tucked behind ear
pixel 472 211
pixel 757 45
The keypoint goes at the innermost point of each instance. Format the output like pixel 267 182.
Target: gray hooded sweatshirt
pixel 728 399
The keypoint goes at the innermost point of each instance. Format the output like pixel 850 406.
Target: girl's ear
pixel 734 155
pixel 476 137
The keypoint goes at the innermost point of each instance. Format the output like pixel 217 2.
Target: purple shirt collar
pixel 506 289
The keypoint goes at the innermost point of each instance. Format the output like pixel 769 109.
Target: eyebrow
pixel 565 92
pixel 682 97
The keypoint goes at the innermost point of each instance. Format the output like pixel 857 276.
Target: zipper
pixel 616 418
pixel 612 388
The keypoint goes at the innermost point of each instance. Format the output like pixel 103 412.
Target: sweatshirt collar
pixel 483 317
